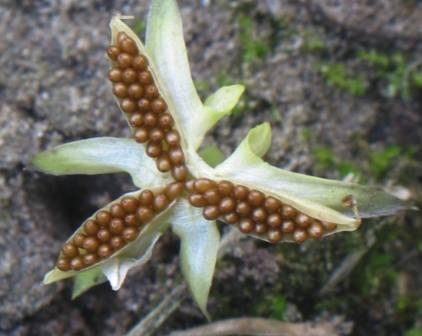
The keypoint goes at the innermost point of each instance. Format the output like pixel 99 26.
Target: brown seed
pixel 104 235
pixel 141 135
pixel 203 184
pixel 130 204
pixel 179 173
pixel 91 244
pixel 144 105
pixel 129 76
pixel 154 149
pixel 135 91
pixel 116 243
pixel 225 188
pixel 160 202
pixel 176 156
pixel 128 105
pixel 288 226
pixel 104 251
pixel 256 198
pixel 211 212
pixel 113 52
pixel 120 90
pixel 240 192
pixel 231 218
pixel 300 235
pixel 227 204
pixel 246 225
pixel 316 230
pixel 190 186
pixel 274 236
pixel 150 120
pixel 76 263
pixel 121 36
pixel 287 211
pixel 197 200
pixel 303 221
pixel 261 228
pixel 117 211
pixel 212 197
pixel 259 215
pixel 163 163
pixel 159 106
pixel 63 264
pixel 272 204
pixel 103 217
pixel 116 226
pixel 174 190
pixel 243 209
pixel 145 78
pixel 136 119
pixel 91 227
pixel 124 60
pixel 70 250
pixel 274 220
pixel 156 135
pixel 144 214
pixel 130 234
pixel 115 75
pixel 146 197
pixel 131 220
pixel 128 45
pixel 140 62
pixel 329 226
pixel 79 239
pixel 166 121
pixel 173 138
pixel 89 259
pixel 151 92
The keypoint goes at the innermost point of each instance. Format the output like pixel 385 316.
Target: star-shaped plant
pixel 177 188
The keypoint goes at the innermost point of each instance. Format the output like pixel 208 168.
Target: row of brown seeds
pixel 146 110
pixel 253 212
pixel 110 230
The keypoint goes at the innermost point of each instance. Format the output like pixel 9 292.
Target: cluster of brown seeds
pixel 253 212
pixel 112 229
pixel 146 110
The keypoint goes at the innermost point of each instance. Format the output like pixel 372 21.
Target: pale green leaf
pixel 212 155
pixel 86 280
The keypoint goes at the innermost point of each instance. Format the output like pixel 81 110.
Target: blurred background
pixel 340 82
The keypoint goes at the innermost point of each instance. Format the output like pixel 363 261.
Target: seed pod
pixel 129 76
pixel 274 235
pixel 163 163
pixel 128 105
pixel 156 135
pixel 141 135
pixel 131 220
pixel 160 202
pixel 89 259
pixel 117 210
pixel 117 226
pixel 300 235
pixel 287 211
pixel 145 78
pixel 315 230
pixel 173 138
pixel 259 215
pixel 231 218
pixel 158 106
pixel 91 244
pixel 154 149
pixel 197 200
pixel 113 52
pixel 104 235
pixel 76 263
pixel 246 225
pixel 129 204
pixel 212 197
pixel 140 63
pixel 104 251
pixel 256 198
pixel 79 239
pixel 63 264
pixel 226 205
pixel 303 221
pixel 136 120
pixel 176 156
pixel 243 209
pixel 116 243
pixel 144 105
pixel 329 226
pixel 124 60
pixel 144 214
pixel 225 188
pixel 288 226
pixel 150 120
pixel 151 92
pixel 261 228
pixel 211 212
pixel 190 186
pixel 202 185
pixel 120 90
pixel 135 91
pixel 128 46
pixel 179 173
pixel 165 121
pixel 272 204
pixel 91 227
pixel 241 192
pixel 274 220
pixel 174 190
pixel 146 197
pixel 130 234
pixel 115 75
pixel 70 250
pixel 103 217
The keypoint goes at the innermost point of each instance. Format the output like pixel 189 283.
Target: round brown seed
pixel 124 60
pixel 116 226
pixel 120 90
pixel 259 215
pixel 287 211
pixel 274 236
pixel 231 218
pixel 197 200
pixel 103 217
pixel 154 149
pixel 303 221
pixel 150 120
pixel 227 204
pixel 173 138
pixel 128 46
pixel 76 264
pixel 211 212
pixel 243 209
pixel 261 228
pixel 129 204
pixel 104 251
pixel 144 105
pixel 63 264
pixel 70 250
pixel 203 184
pixel 256 198
pixel 166 121
pixel 136 119
pixel 246 225
pixel 160 202
pixel 141 135
pixel 79 239
pixel 272 204
pixel 300 235
pixel 163 163
pixel 274 220
pixel 135 91
pixel 113 52
pixel 156 135
pixel 130 234
pixel 91 227
pixel 128 105
pixel 176 156
pixel 140 62
pixel 329 226
pixel 225 188
pixel 316 230
pixel 174 190
pixel 288 226
pixel 115 75
pixel 240 192
pixel 104 235
pixel 146 197
pixel 117 210
pixel 144 214
pixel 145 78
pixel 129 76
pixel 190 186
pixel 179 173
pixel 89 259
pixel 116 243
pixel 90 244
pixel 131 220
pixel 159 106
pixel 212 197
pixel 151 92
pixel 121 36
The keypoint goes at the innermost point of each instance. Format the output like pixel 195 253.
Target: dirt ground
pixel 339 83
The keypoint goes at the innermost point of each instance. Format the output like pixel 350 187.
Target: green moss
pixel 336 75
pixel 414 332
pixel 138 26
pixel 273 306
pixel 325 160
pixel 312 42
